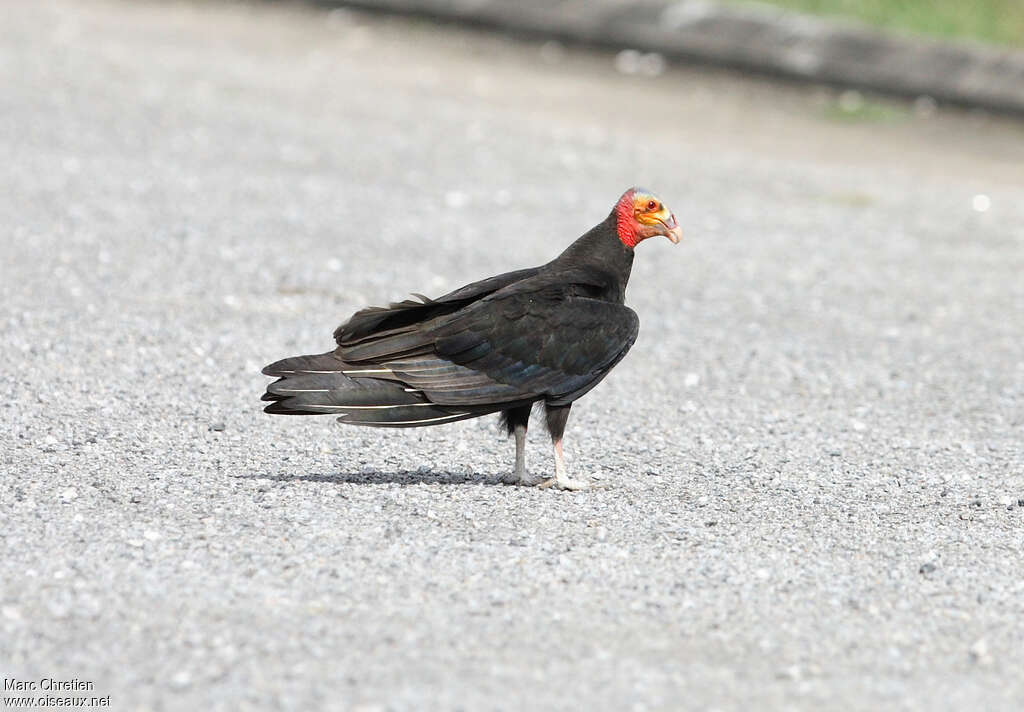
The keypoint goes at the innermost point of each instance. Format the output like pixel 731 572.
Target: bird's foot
pixel 564 484
pixel 522 478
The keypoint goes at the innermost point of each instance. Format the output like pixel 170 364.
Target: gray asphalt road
pixel 810 470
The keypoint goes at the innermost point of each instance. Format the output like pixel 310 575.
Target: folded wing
pixel 373 321
pixel 514 345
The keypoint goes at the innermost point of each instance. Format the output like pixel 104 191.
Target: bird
pixel 543 335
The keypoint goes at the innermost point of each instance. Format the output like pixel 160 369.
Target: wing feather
pixel 515 338
pixel 509 348
pixel 408 315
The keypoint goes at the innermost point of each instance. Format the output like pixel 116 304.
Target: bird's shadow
pixel 421 476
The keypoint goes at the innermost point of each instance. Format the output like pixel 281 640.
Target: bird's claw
pixel 564 484
pixel 524 479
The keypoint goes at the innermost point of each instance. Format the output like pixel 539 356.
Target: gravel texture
pixel 809 469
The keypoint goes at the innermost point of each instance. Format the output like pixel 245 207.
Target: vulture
pixel 545 334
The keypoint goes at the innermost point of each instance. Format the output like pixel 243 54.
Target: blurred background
pixel 1000 22
pixel 809 471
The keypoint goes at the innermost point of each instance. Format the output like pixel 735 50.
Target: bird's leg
pixel 516 420
pixel 557 416
pixel 562 479
pixel 520 433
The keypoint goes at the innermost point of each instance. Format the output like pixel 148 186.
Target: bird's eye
pixel 652 205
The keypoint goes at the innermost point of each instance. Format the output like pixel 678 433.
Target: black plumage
pixel 547 334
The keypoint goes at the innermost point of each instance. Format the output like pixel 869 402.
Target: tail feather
pixel 318 385
pixel 316 363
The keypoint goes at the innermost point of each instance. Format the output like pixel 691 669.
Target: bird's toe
pixel 524 479
pixel 564 484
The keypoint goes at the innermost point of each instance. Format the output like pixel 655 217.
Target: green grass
pixel 994 21
pixel 852 107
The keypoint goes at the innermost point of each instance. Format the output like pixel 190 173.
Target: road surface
pixel 809 469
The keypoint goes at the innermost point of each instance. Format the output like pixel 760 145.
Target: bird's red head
pixel 641 214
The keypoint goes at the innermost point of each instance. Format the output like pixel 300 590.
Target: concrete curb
pixel 756 38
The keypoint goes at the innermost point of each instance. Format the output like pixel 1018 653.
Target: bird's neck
pixel 601 248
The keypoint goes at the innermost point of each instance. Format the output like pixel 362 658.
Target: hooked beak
pixel 672 230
